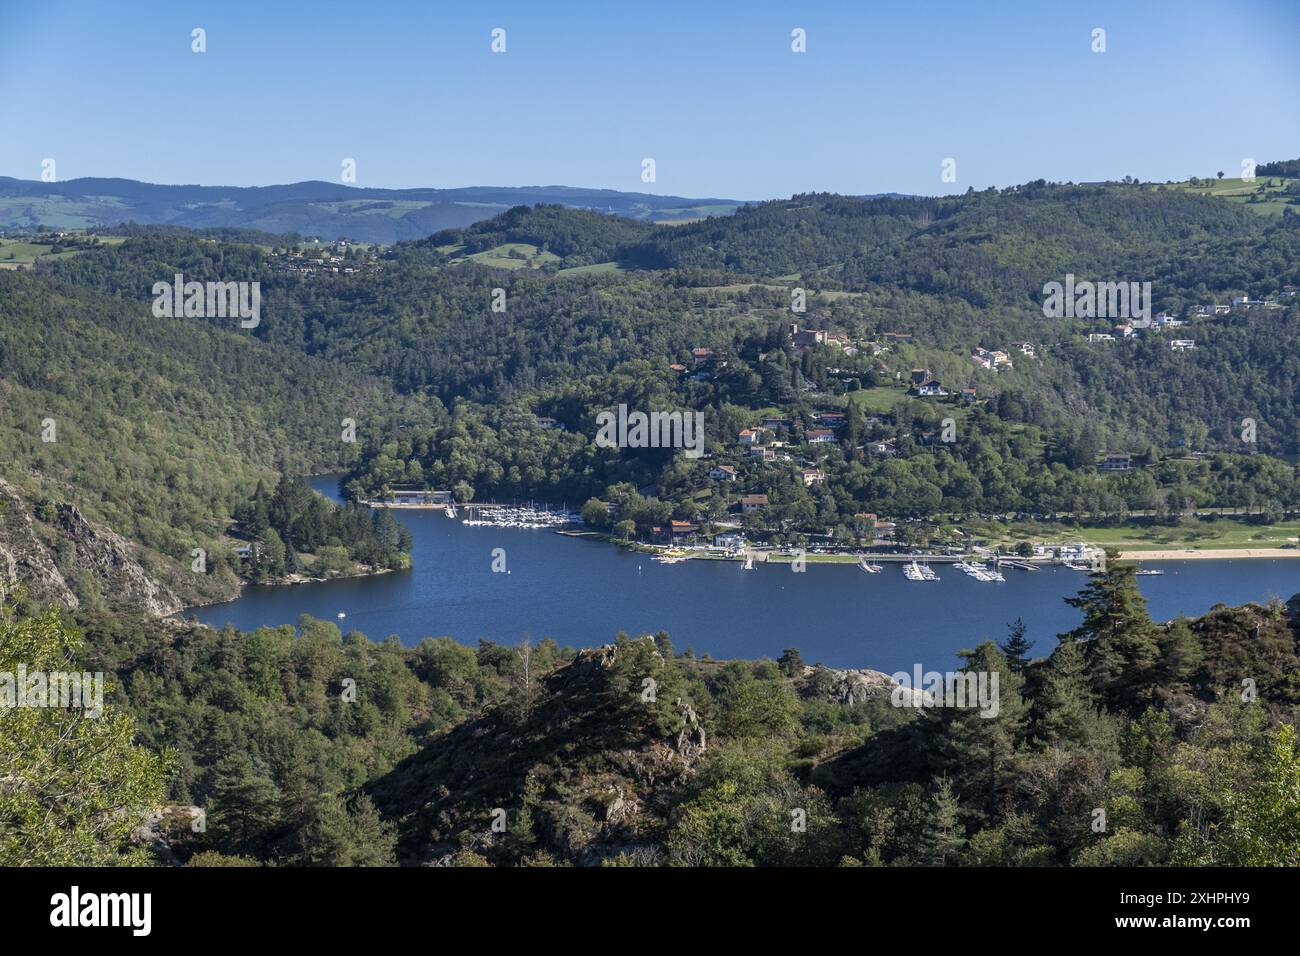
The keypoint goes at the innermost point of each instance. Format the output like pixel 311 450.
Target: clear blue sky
pixel 711 91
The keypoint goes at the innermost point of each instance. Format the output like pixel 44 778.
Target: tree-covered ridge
pixel 157 428
pixel 1131 743
pixel 577 237
pixel 954 274
pixel 567 347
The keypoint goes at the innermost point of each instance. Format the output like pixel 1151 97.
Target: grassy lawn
pixel 880 399
pixel 21 252
pixel 1189 533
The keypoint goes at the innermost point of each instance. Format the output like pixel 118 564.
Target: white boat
pixel 749 562
pixel 869 568
pixel 529 517
pixel 1147 571
pixel 916 572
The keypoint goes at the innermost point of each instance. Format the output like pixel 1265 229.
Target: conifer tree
pixel 1121 644
pixel 1016 647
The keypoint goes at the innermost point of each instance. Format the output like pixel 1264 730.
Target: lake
pixel 582 593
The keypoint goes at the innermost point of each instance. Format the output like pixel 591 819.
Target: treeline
pixel 1010 456
pixel 1288 168
pixel 955 272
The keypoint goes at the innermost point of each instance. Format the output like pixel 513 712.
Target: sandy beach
pixel 1209 554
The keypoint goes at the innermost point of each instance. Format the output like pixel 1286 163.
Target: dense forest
pixel 293 521
pixel 1131 743
pixel 948 275
pixel 309 746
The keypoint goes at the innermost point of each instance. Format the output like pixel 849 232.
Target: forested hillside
pixel 1133 743
pixel 699 316
pixel 465 367
pixel 157 429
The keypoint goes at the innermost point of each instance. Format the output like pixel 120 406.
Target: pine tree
pixel 1181 654
pixel 944 836
pixel 1017 646
pixel 1121 644
pixel 977 742
pixel 244 809
pixel 1065 710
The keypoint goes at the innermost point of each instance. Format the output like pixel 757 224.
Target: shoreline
pixel 287 581
pixel 1209 554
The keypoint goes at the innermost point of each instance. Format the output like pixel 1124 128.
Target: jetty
pixel 919 572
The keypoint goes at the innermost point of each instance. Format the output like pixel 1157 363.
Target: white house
pixel 1182 345
pixel 930 389
pixel 729 541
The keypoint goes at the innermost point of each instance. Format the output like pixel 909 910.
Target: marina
pixel 919 572
pixel 523 517
pixel 979 572
pixel 579 589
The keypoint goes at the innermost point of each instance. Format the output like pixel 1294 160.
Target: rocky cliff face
pixel 27 558
pixel 24 560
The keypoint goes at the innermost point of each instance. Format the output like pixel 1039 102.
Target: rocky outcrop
pixel 27 560
pixel 24 560
pixel 591 765
pixel 107 556
pixel 859 686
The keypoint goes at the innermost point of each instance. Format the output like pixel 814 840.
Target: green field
pixel 16 254
pixel 875 399
pixel 512 255
pixel 392 208
pixel 1270 190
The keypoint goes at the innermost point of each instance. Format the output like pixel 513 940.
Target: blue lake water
pixel 582 593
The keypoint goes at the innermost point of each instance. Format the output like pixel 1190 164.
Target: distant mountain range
pixel 319 209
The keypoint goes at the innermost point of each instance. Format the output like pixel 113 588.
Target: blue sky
pixel 1011 90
